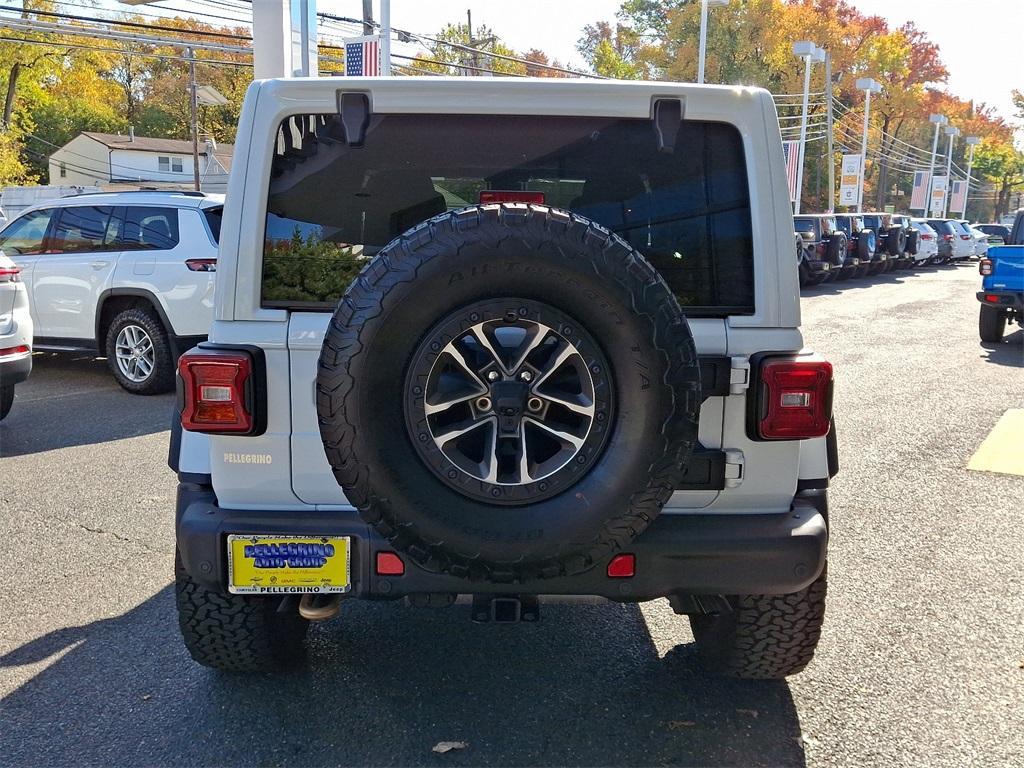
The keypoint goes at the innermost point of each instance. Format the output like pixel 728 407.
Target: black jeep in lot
pixel 863 242
pixel 897 240
pixel 826 249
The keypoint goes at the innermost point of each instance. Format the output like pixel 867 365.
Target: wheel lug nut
pixel 526 376
pixel 483 403
pixel 492 375
pixel 534 404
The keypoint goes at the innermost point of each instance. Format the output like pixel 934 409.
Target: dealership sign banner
pixel 849 180
pixel 938 195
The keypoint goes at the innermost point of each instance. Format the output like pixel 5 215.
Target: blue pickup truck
pixel 1002 289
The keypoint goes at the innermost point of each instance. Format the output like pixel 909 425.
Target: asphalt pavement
pixel 920 663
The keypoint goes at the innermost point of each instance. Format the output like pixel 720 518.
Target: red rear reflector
pixel 18 350
pixel 992 298
pixel 201 265
pixel 215 392
pixel 622 567
pixel 796 399
pixel 389 564
pixel 985 266
pixel 510 196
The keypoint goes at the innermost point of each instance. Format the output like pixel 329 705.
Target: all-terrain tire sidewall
pixel 892 242
pixel 494 252
pixel 913 242
pixel 764 637
pixel 236 633
pixel 161 380
pixel 991 324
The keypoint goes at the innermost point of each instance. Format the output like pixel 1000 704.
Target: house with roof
pixel 127 160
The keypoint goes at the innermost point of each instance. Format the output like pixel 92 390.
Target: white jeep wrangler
pixel 504 339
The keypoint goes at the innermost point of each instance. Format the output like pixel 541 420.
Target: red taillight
pixel 985 266
pixel 819 249
pixel 926 236
pixel 510 196
pixel 389 564
pixel 796 399
pixel 215 392
pixel 622 567
pixel 10 274
pixel 991 298
pixel 947 238
pixel 201 265
pixel 965 237
pixel 21 349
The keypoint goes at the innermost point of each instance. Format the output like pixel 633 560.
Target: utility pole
pixel 472 42
pixel 367 17
pixel 193 100
pixel 385 38
pixel 828 126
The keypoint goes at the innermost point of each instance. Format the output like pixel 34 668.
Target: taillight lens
pixel 216 392
pixel 510 196
pixel 926 236
pixel 795 399
pixel 985 266
pixel 21 349
pixel 965 237
pixel 201 265
pixel 10 274
pixel 947 238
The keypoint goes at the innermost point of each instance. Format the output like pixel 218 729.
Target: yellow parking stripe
pixel 1003 449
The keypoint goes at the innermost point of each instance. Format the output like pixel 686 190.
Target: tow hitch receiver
pixel 505 609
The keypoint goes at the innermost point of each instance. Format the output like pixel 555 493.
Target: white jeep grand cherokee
pixel 126 274
pixel 504 339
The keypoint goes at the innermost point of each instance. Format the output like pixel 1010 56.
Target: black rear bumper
pixel 1012 300
pixel 15 370
pixel 677 555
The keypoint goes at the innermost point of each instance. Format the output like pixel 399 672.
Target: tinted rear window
pixel 332 207
pixel 213 218
pixel 149 228
pixel 941 226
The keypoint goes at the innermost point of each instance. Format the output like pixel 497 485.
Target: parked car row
pixel 838 246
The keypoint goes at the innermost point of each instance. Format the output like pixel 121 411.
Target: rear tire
pixel 6 400
pixel 142 325
pixel 236 633
pixel 991 324
pixel 766 637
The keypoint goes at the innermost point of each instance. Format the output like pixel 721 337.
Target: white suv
pixel 15 333
pixel 505 339
pixel 128 274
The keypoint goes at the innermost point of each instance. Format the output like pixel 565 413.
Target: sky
pixel 979 40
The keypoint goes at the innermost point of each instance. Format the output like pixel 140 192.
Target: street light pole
pixel 385 38
pixel 704 5
pixel 952 133
pixel 869 86
pixel 971 141
pixel 939 121
pixel 810 53
pixel 193 103
pixel 828 127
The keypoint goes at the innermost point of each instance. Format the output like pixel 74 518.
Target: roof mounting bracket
pixel 354 111
pixel 668 114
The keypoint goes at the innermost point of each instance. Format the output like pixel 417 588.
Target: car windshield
pixel 687 211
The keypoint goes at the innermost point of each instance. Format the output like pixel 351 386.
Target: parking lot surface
pixel 920 662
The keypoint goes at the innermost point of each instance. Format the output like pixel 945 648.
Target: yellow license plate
pixel 269 565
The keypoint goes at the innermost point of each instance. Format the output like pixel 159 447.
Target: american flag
pixel 791 149
pixel 919 195
pixel 362 57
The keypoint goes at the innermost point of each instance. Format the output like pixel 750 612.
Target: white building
pixel 92 159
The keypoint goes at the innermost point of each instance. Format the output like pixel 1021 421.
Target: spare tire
pixel 912 241
pixel 508 392
pixel 867 242
pixel 895 241
pixel 837 248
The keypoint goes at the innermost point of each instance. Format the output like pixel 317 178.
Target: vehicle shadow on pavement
pixel 385 684
pixel 1010 351
pixel 834 287
pixel 72 399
